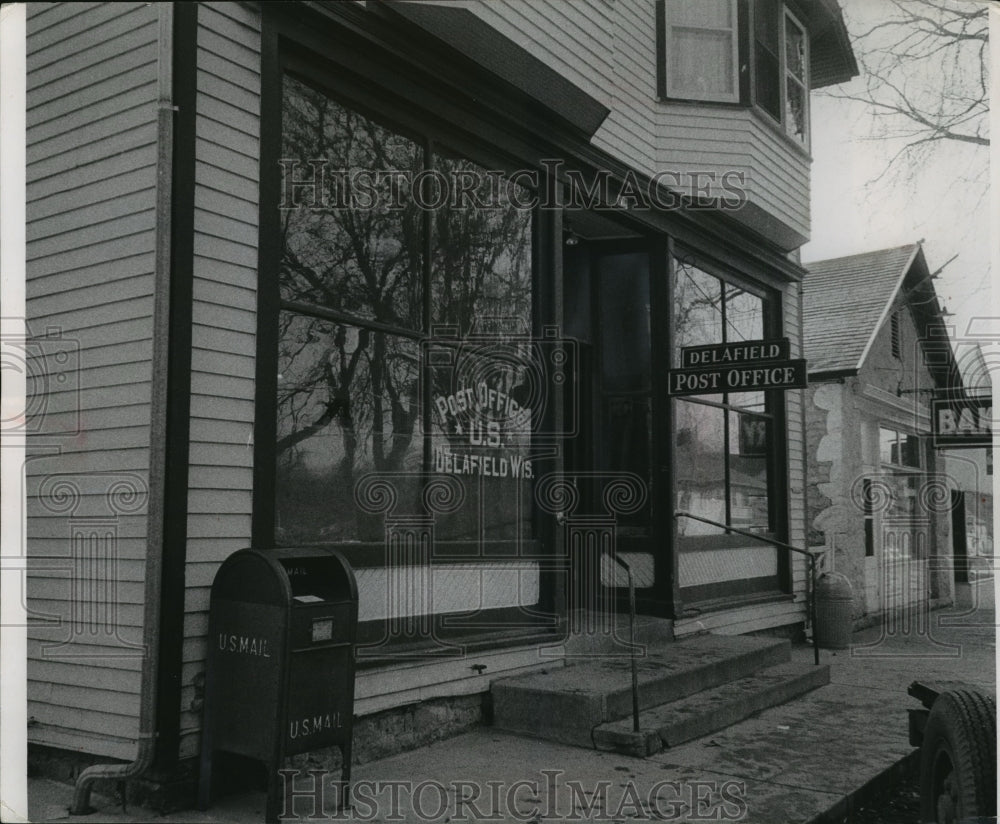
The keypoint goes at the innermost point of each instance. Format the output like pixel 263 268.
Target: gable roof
pixel 845 302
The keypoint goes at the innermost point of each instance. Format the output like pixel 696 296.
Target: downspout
pixel 157 433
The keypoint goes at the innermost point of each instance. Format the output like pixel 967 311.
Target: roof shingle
pixel 844 300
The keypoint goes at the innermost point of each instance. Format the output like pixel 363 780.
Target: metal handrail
pixel 811 557
pixel 631 636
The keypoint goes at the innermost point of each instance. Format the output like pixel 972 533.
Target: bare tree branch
pixel 924 76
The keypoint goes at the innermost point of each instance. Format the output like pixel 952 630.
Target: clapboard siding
pixel 91 175
pixel 66 103
pixel 216 362
pixel 609 50
pixel 212 408
pixel 91 255
pixel 133 226
pixel 102 212
pixel 220 477
pixel 220 494
pixel 89 195
pixel 93 420
pixel 44 15
pixel 91 112
pixel 94 174
pixel 68 155
pixel 570 37
pixel 45 564
pixel 129 615
pixel 129 592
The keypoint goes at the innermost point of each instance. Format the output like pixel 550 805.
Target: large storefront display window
pixel 402 403
pixel 351 396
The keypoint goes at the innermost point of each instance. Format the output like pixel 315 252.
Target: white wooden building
pixel 232 307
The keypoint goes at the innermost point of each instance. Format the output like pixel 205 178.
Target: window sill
pixel 702 543
pixel 699 608
pixel 712 104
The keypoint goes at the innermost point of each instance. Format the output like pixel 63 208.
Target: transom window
pixel 753 52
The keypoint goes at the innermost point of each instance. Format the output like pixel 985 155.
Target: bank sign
pixel 743 366
pixel 963 421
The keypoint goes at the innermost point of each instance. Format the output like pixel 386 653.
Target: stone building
pixel 879 498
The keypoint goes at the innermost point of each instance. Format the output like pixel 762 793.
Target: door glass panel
pixel 624 313
pixel 628 446
pixel 748 454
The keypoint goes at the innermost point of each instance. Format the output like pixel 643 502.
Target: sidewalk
pixel 801 762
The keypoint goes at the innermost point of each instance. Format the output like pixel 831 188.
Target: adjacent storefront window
pixel 723 443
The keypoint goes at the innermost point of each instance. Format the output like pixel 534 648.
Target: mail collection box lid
pixel 286 576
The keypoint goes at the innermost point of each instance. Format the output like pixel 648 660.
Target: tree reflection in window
pixel 481 251
pixel 348 404
pixel 357 288
pixel 366 261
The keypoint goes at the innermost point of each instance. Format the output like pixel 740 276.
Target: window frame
pixel 433 142
pixel 406 118
pixel 664 30
pixel 898 467
pixel 773 412
pixel 787 75
pixel 288 48
pixel 746 68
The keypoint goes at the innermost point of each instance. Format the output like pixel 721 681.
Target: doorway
pixel 614 295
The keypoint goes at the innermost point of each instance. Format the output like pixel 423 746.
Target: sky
pixel 944 199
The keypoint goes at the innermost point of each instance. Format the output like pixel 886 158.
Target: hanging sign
pixel 735 353
pixel 962 422
pixel 747 377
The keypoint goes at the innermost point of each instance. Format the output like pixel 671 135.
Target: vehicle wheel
pixel 958 758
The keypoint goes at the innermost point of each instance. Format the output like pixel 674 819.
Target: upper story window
pixel 899 450
pixel 702 51
pixel 752 52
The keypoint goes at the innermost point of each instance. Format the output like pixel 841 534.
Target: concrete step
pixel 710 710
pixel 567 702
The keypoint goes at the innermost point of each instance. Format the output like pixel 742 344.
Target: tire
pixel 958 758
